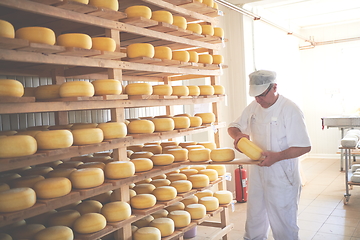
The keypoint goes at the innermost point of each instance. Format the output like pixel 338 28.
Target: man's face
pixel 268 97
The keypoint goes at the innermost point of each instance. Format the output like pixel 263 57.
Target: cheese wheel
pixel 191 147
pixel 27 132
pixel 142 201
pixel 249 148
pixel 143 154
pixel 162 16
pixel 224 154
pixel 194 56
pixel 221 169
pixel 87 178
pixel 224 196
pixel 182 186
pixel 116 211
pixel 165 193
pixel 148 233
pixel 204 193
pixel 181 218
pixel 190 200
pixel 180 91
pixel 144 188
pixel 136 147
pixel 89 223
pixel 52 187
pixel 54 139
pixel 142 164
pixel 163 52
pixel 194 90
pixel 161 176
pixel 113 130
pixel 209 3
pixel 6 29
pixel 163 124
pixel 11 88
pixel 199 180
pixel 26 231
pixel 211 173
pixel 37 170
pixel 211 203
pixel 89 206
pixel 184 144
pixel 199 155
pixel 205 58
pixel 198 167
pixel 138 11
pixel 4 187
pixel 207 30
pixel 87 136
pixel 119 169
pixel 167 148
pixel 110 4
pixel 160 182
pixel 47 92
pixel 218 59
pixel 182 56
pixel 181 122
pixel 4 236
pixel 162 159
pixel 176 176
pixel 107 87
pixel 163 90
pixel 189 172
pixel 17 199
pixel 138 89
pixel 63 218
pixel 180 155
pixel 140 50
pixel 82 1
pixel 175 206
pixel 143 222
pixel 209 145
pixel 196 210
pixel 180 22
pixel 17 146
pixel 154 148
pixel 206 90
pixel 219 32
pixel 55 233
pixel 36 35
pixel 194 27
pixel 78 40
pixel 164 224
pixel 77 89
pixel 216 6
pixel 26 181
pixel 206 117
pixel 83 125
pixel 8 133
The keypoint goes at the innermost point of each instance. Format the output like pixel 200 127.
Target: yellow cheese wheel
pixel 83 125
pixel 140 50
pixel 224 196
pixel 87 136
pixel 162 159
pixel 194 27
pixel 180 155
pixel 148 233
pixel 143 222
pixel 211 173
pixel 175 206
pixel 195 121
pixel 207 30
pixel 154 148
pixel 216 6
pixel 206 58
pixel 221 169
pixel 8 176
pixel 144 188
pixel 162 16
pixel 206 117
pixel 17 199
pixel 54 139
pixel 161 176
pixel 163 90
pixel 139 89
pixel 89 223
pixel 196 210
pixel 77 89
pixel 182 186
pixel 52 187
pixel 142 164
pixel 8 133
pixel 198 167
pixel 26 231
pixel 204 193
pixel 181 122
pixel 199 155
pixel 100 165
pixel 113 130
pixel 4 187
pixel 107 87
pixel 194 56
pixel 162 213
pixel 142 154
pixel 5 236
pixel 182 56
pixel 206 90
pixel 6 29
pixel 103 43
pixel 181 218
pixel 11 88
pixel 219 32
pixel 163 124
pixel 116 211
pixel 176 176
pixel 142 201
pixel 180 90
pixel 165 225
pixel 167 148
pixel 160 182
pixel 165 193
pixel 36 35
pixel 249 148
pixel 119 169
pixel 25 181
pixel 189 172
pixel 163 52
pixel 184 144
pixel 87 178
pixel 180 22
pixel 211 203
pixel 135 147
pixel 17 146
pixel 199 180
pixel 218 59
pixel 209 3
pixel 219 89
pixel 63 218
pixel 55 233
pixel 224 154
pixel 191 147
pixel 47 92
pixel 82 1
pixel 194 90
pixel 110 4
pixel 79 40
pixel 138 11
pixel 209 145
pixel 37 170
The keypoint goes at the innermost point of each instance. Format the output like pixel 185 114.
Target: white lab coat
pixel 274 191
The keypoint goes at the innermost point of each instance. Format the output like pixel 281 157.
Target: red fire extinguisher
pixel 241 184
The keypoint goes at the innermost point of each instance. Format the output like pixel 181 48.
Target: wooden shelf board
pixel 170 202
pixel 148 211
pixel 61 201
pixel 90 192
pixel 79 52
pixel 107 14
pixel 96 235
pixel 143 97
pixel 109 55
pixel 140 21
pixel 8 99
pixel 13 43
pixel 12 217
pixel 75 6
pixel 42 48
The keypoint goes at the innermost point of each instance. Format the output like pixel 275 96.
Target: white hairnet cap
pixel 260 80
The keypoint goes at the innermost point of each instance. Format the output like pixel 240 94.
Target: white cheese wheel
pixel 204 193
pixel 89 206
pixel 194 56
pixel 52 187
pixel 199 155
pixel 180 91
pixel 206 117
pixel 116 211
pixel 165 193
pixel 17 146
pixel 206 90
pixel 182 56
pixel 142 164
pixel 87 178
pixel 181 122
pixel 103 43
pixel 162 16
pixel 221 169
pixel 224 154
pixel 163 124
pixel 141 126
pixel 218 59
pixel 6 29
pixel 26 231
pixel 110 4
pixel 164 224
pixel 176 176
pixel 196 210
pixel 142 154
pixel 189 172
pixel 119 169
pixel 199 180
pixel 17 199
pixel 77 89
pixel 207 30
pixel 142 201
pixel 175 206
pixel 47 92
pixel 224 196
pixel 113 130
pixel 211 173
pixel 205 58
pixel 163 52
pixel 147 233
pixel 180 22
pixel 140 50
pixel 182 186
pixel 190 200
pixel 194 27
pixel 63 218
pixel 107 87
pixel 55 233
pixel 54 139
pixel 36 35
pixel 194 90
pixel 219 32
pixel 211 203
pixel 25 181
pixel 144 188
pixel 162 159
pixel 154 148
pixel 89 223
pixel 209 145
pixel 163 90
pixel 138 11
pixel 160 182
pixel 79 40
pixel 87 136
pixel 181 218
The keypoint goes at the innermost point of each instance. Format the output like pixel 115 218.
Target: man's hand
pixel 269 158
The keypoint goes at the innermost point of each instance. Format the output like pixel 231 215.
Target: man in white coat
pixel 276 125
